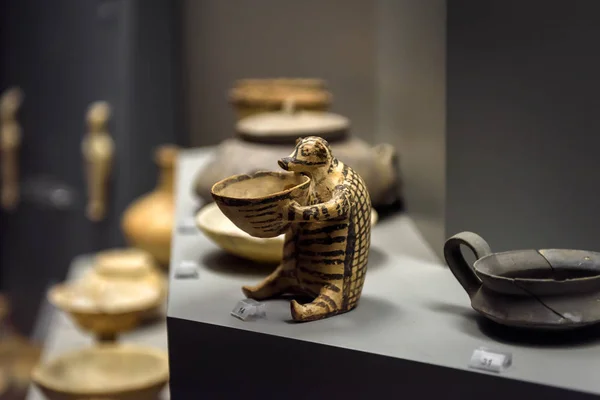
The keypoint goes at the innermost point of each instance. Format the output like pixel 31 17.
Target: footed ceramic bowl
pixel 255 202
pixel 105 372
pixel 106 307
pixel 225 234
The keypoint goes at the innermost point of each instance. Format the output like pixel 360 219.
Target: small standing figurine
pixel 327 246
pixel 98 149
pixel 10 141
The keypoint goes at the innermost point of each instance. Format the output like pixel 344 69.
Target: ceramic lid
pixel 296 82
pixel 100 295
pixel 123 262
pixel 291 125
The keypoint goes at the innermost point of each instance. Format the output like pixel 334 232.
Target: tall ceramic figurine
pixel 327 245
pixel 98 149
pixel 10 141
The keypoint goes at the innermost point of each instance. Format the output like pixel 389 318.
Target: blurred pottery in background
pixel 108 371
pixel 106 307
pixel 254 96
pixel 3 310
pixel 265 137
pixel 148 222
pixel 225 234
pixel 115 296
pixel 130 266
pixel 18 356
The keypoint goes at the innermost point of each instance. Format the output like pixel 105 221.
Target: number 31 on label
pixel 490 360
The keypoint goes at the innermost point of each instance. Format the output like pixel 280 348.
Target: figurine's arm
pixel 337 207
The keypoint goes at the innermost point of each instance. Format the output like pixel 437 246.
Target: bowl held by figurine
pixel 257 203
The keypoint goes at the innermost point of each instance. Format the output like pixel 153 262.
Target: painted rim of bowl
pixel 258 174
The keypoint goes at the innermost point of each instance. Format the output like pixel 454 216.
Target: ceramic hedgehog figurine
pixel 326 250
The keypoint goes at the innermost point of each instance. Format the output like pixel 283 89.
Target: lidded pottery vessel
pixel 148 222
pixel 265 137
pixel 253 96
pixel 128 265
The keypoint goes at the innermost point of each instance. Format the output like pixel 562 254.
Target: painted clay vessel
pixel 262 138
pixel 148 222
pixel 324 209
pixel 256 203
pixel 542 289
pixel 255 96
pixel 124 372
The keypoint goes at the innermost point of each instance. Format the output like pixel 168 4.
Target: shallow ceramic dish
pixel 106 307
pixel 255 202
pixel 224 233
pixel 107 372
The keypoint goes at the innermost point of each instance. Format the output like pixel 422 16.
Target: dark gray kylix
pixel 544 289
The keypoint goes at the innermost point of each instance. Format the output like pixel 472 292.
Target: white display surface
pixel 411 308
pixel 64 335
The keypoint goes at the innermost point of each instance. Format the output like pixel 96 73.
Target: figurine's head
pixel 10 101
pixel 98 114
pixel 310 153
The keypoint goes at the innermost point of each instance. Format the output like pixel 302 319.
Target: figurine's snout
pixel 284 163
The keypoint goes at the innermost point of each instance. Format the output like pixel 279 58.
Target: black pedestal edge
pixel 220 362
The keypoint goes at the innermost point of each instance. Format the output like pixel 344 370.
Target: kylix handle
pixel 464 273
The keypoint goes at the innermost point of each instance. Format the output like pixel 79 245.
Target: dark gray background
pixel 522 135
pixel 229 40
pixel 65 54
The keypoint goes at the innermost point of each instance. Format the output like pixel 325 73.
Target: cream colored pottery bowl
pixel 123 372
pixel 106 307
pixel 225 234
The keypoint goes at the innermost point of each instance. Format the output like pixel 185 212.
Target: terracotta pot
pixel 262 139
pixel 254 96
pixel 148 222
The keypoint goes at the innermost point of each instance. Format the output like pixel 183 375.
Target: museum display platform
pixel 413 334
